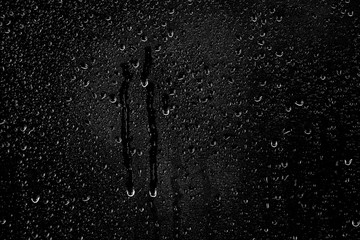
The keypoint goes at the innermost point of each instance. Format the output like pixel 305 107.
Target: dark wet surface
pixel 180 120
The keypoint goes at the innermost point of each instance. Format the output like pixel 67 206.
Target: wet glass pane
pixel 180 119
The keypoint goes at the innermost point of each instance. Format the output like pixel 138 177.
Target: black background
pixel 261 140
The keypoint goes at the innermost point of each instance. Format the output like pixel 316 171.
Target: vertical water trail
pixel 150 90
pixel 125 128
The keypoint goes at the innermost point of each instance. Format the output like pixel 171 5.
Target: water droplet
pixel 23 129
pixel 130 194
pixel 153 195
pixel 274 144
pixel 144 38
pixel 171 33
pixel 262 84
pixel 258 99
pixel 86 199
pixel 213 142
pixel 348 162
pixel 86 84
pixel 157 48
pixel 35 200
pixel 118 139
pixel 166 111
pixel 307 131
pixel 135 64
pixel 299 104
pixel 112 98
pixel 172 11
pixel 238 114
pixel 144 84
pixel 279 54
pixel 355 223
pixel 84 66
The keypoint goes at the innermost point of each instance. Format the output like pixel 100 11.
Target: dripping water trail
pixel 125 127
pixel 150 92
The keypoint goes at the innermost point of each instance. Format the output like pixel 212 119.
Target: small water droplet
pixel 279 54
pixel 23 129
pixel 171 33
pixel 299 104
pixel 258 99
pixel 86 199
pixel 274 144
pixel 355 223
pixel 307 131
pixel 113 98
pixel 348 162
pixel 130 194
pixel 144 84
pixel 284 165
pixel 86 84
pixel 153 194
pixel 84 66
pixel 135 64
pixel 36 199
pixel 166 111
pixel 118 139
pixel 144 38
